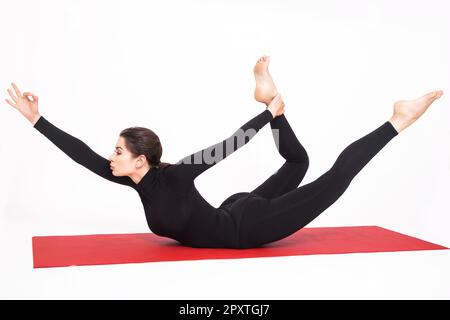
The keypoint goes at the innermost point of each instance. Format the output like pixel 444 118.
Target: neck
pixel 139 174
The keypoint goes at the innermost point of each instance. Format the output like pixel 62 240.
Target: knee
pixel 301 164
pixel 296 154
pixel 304 165
pixel 297 171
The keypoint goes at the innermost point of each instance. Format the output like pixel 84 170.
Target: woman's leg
pixel 282 216
pixel 268 220
pixel 291 173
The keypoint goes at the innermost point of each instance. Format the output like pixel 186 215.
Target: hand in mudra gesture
pixel 26 103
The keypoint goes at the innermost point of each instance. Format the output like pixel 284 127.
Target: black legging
pixel 279 208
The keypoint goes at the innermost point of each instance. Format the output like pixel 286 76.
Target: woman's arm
pixel 191 166
pixel 27 105
pixel 80 152
pixel 188 168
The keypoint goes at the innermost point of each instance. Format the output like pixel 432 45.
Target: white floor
pixel 391 275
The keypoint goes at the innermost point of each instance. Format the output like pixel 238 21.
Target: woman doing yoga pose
pixel 274 210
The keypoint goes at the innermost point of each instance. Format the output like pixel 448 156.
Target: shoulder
pixel 175 173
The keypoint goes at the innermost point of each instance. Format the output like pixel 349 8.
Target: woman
pixel 274 210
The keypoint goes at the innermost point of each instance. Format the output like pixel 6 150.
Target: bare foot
pixel 265 89
pixel 408 111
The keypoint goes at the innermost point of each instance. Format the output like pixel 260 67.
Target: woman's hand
pixel 276 106
pixel 26 103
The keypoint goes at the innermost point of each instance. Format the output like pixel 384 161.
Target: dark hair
pixel 139 140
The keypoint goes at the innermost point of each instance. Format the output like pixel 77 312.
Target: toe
pixel 436 94
pixel 430 95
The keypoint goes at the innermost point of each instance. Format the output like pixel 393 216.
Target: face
pixel 122 161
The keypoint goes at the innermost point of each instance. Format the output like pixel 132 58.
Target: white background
pixel 185 70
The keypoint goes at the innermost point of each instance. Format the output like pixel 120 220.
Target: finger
pixel 28 95
pixel 12 95
pixel 16 89
pixel 10 103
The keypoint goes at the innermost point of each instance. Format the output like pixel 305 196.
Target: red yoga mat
pixel 62 251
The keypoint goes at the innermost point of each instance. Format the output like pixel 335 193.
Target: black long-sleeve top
pixel 173 206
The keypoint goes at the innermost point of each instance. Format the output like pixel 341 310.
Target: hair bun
pixel 154 161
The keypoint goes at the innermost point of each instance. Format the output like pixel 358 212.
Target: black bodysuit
pixel 274 210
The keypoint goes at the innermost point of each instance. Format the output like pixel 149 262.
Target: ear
pixel 141 160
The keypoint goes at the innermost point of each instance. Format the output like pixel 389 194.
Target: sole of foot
pixel 265 89
pixel 406 112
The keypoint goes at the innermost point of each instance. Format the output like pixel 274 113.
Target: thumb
pixel 29 94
